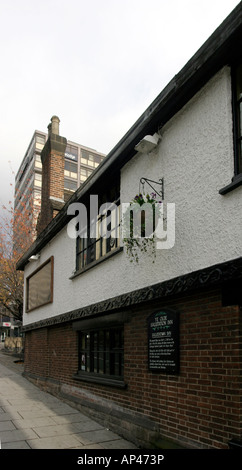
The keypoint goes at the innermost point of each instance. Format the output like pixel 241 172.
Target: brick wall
pixel 36 353
pixel 57 163
pixel 53 163
pixel 200 406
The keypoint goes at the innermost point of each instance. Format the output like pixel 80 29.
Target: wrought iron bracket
pixel 159 183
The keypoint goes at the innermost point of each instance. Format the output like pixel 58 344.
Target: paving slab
pixel 16 445
pixel 56 442
pixel 98 436
pixel 71 418
pixel 33 419
pixel 17 435
pixel 32 423
pixel 7 426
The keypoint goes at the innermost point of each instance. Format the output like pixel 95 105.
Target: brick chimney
pixel 53 163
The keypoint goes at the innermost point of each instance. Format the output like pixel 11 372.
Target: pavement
pixel 33 419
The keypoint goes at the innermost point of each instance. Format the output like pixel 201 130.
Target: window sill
pixel 95 263
pixel 100 380
pixel 236 182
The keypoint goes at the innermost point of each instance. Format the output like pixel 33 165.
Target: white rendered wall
pixel 195 157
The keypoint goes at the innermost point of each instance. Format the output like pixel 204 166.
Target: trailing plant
pixel 139 226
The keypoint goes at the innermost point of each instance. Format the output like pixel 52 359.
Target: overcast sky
pixel 97 64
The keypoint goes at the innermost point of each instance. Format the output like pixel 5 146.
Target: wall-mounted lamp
pixel 34 257
pixel 148 143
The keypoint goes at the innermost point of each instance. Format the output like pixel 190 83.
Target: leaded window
pixel 102 234
pixel 101 355
pixel 101 352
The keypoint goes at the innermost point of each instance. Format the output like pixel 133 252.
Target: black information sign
pixel 163 341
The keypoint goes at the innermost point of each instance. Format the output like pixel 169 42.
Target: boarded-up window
pixel 40 286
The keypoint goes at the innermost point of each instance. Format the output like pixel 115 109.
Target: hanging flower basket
pixel 139 224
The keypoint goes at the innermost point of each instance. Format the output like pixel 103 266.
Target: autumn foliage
pixel 16 235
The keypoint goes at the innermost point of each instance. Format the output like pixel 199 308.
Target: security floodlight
pixel 148 143
pixel 34 257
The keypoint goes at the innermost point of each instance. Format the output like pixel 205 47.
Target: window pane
pixel 83 341
pixel 113 218
pixel 68 184
pixel 92 253
pixel 81 253
pixel 78 262
pixel 106 333
pixel 88 359
pixel 101 352
pixel 101 340
pixel 122 354
pixel 71 167
pixel 107 341
pixel 81 244
pixel 104 246
pixel 83 361
pixel 38 163
pixel 95 368
pixel 98 249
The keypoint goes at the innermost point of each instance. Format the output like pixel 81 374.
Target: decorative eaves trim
pixel 212 276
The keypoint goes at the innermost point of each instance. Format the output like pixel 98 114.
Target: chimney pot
pixel 55 121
